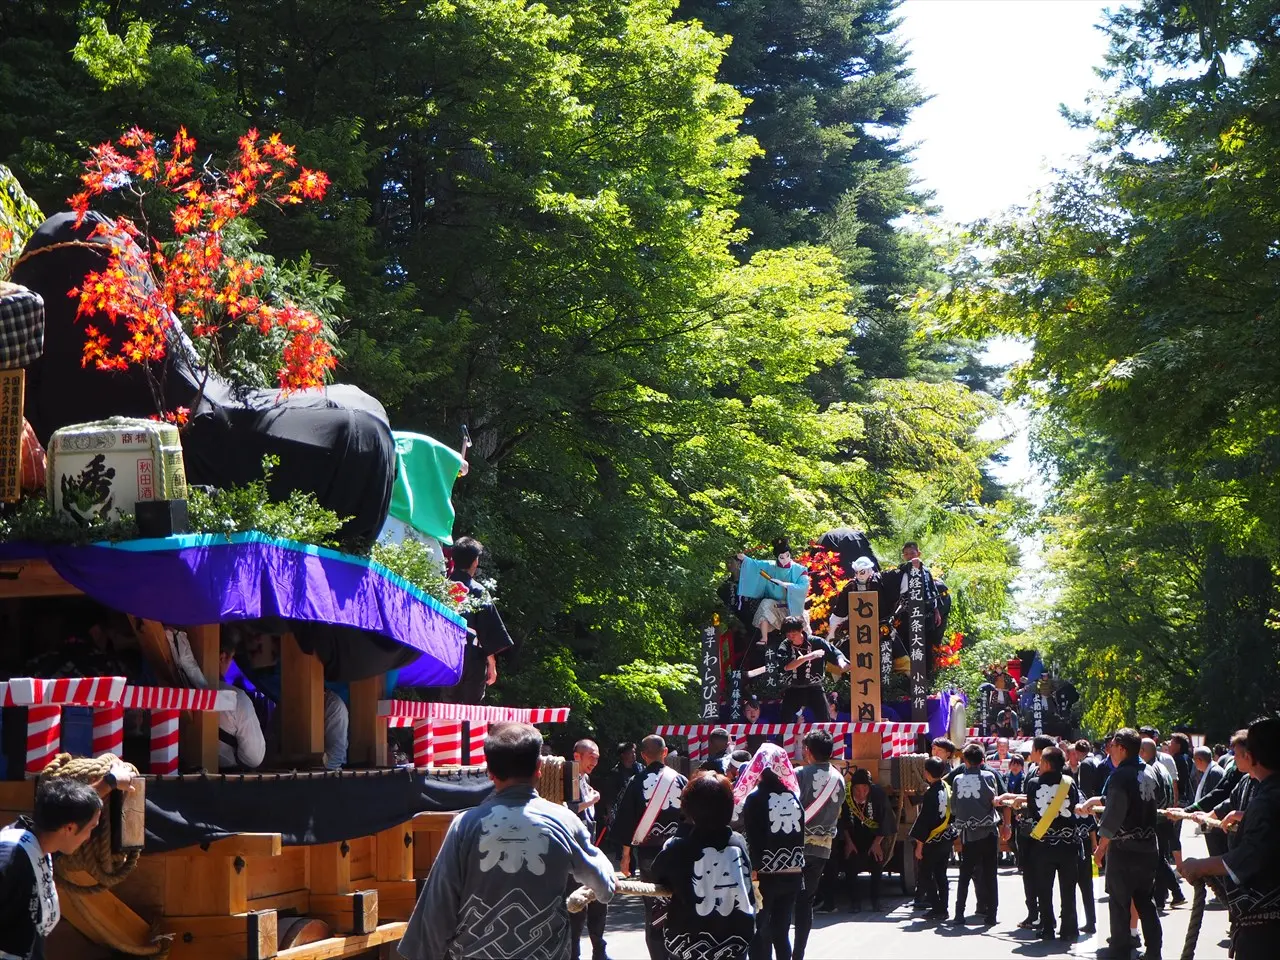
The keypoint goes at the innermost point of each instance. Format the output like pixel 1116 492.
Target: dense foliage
pixel 1148 279
pixel 534 219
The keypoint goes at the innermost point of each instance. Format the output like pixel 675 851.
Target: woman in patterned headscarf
pixel 774 825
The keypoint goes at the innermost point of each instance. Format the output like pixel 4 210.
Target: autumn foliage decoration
pixel 947 653
pixel 195 280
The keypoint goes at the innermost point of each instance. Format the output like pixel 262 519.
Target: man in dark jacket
pixel 1252 865
pixel 1127 841
pixel 865 821
pixel 647 816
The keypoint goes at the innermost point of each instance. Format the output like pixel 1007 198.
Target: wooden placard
pixel 864 656
pixel 11 396
pixel 128 818
pixel 710 706
pixel 915 611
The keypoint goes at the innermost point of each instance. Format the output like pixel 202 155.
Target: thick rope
pixel 551 783
pixel 94 857
pixel 578 900
pixel 1194 922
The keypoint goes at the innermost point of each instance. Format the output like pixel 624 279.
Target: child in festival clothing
pixel 773 822
pixel 707 868
pixel 933 835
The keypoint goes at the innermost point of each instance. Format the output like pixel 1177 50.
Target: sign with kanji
pixel 11 391
pixel 710 708
pixel 916 608
pixel 864 656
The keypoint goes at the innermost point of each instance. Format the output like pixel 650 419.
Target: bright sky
pixel 998 71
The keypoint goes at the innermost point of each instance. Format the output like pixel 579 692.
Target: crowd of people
pixel 748 847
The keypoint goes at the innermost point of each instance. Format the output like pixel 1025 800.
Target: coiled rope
pixel 551 782
pixel 95 856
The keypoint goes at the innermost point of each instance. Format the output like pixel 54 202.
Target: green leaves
pixel 115 60
pixel 1147 282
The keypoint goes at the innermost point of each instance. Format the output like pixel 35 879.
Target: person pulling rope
pixel 95 857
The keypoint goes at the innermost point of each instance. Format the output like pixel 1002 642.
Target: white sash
pixel 661 791
pixel 42 867
pixel 834 783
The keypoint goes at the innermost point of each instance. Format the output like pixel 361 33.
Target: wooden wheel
pixel 299 931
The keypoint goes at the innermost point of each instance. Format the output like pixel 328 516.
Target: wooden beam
pixel 198 729
pixel 330 868
pixel 355 912
pixel 32 578
pixel 393 854
pixel 236 845
pixel 19 795
pixel 155 649
pixel 396 898
pixel 301 705
pixel 299 901
pixel 128 812
pixel 432 821
pixel 367 732
pixel 336 948
pixel 104 919
pixel 251 935
pixel 205 886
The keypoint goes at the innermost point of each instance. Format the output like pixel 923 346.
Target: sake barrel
pixel 98 471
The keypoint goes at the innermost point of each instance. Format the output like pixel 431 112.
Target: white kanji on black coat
pixel 784 813
pixel 720 882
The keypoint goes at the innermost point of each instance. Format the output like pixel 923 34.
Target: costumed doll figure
pixel 781 585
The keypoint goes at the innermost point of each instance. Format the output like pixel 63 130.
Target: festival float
pixel 124 559
pixel 881 715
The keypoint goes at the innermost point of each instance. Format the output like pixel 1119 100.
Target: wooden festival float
pixel 291 861
pixel 211 878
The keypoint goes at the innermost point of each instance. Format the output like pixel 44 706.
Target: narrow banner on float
pixel 710 709
pixel 915 612
pixel 864 656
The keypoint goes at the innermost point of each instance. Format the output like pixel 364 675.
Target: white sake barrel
pixel 98 471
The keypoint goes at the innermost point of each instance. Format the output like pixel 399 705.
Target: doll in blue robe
pixel 781 585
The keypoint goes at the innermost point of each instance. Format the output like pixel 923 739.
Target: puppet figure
pixel 781 585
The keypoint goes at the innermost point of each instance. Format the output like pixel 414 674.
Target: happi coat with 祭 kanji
pixel 773 821
pixel 496 890
pixel 712 911
pixel 764 579
pixel 635 799
pixel 820 829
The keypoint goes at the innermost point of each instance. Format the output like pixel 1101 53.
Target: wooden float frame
pixel 222 900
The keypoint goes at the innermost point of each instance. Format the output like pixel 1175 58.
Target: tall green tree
pixel 534 217
pixel 1148 281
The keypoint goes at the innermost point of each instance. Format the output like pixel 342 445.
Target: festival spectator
pixel 648 814
pixel 1127 842
pixel 822 795
pixel 707 868
pixel 933 836
pixel 973 813
pixel 587 755
pixel 1253 863
pixel 515 848
pixel 773 823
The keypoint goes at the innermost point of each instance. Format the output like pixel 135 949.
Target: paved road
pixel 900 936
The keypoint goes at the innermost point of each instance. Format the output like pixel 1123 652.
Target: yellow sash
pixel 938 831
pixel 1050 815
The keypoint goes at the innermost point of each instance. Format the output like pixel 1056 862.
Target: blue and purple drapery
pixel 200 578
